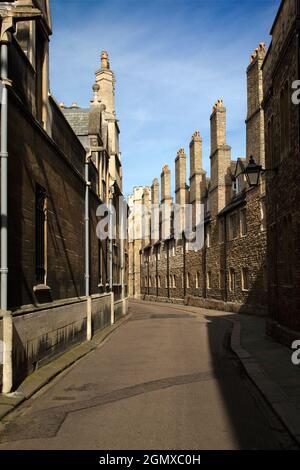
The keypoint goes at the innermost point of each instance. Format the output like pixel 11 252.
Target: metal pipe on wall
pixel 87 249
pixel 111 282
pixel 4 170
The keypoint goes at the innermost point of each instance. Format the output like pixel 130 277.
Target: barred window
pixel 221 230
pixel 198 279
pixel 245 278
pixel 208 236
pixel 233 229
pixel 288 251
pixel 232 280
pixel 272 154
pixel 41 234
pixel 284 120
pixel 244 228
pixel 263 225
pixel 208 280
pixel 221 279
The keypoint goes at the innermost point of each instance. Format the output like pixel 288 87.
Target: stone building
pixel 46 198
pixel 229 271
pixel 281 68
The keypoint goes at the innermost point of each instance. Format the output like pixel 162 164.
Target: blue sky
pixel 172 60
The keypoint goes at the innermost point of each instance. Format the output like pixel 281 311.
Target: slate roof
pixel 78 118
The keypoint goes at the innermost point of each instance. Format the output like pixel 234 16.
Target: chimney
pixel 218 126
pixel 146 215
pixel 180 177
pixel 106 80
pixel 166 197
pixel 220 159
pixel 155 192
pixel 155 210
pixel 197 174
pixel 166 202
pixel 255 114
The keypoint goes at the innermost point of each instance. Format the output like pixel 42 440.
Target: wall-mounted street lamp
pixel 253 172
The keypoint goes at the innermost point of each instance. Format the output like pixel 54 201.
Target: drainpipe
pixel 184 264
pixel 87 249
pixel 156 270
pixel 122 254
pixel 168 268
pixel 7 369
pixel 111 284
pixel 4 165
pixel 225 260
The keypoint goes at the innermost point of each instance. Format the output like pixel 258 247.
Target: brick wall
pixel 280 69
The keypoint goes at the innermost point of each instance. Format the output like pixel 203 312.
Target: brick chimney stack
pixel 197 174
pixel 166 197
pixel 180 177
pixel 220 159
pixel 155 210
pixel 155 192
pixel 255 113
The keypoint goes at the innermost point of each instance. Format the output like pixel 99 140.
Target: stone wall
pixel 42 333
pixel 280 69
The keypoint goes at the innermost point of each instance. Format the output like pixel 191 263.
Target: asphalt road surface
pixel 166 379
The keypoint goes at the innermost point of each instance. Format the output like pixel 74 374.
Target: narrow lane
pixel 164 380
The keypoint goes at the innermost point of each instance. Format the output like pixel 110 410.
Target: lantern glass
pixel 252 172
pixel 253 178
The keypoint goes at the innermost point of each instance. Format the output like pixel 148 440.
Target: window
pixel 221 230
pixel 23 36
pixel 170 281
pixel 232 280
pixel 233 226
pixel 188 280
pixel 158 253
pixel 172 247
pixel 40 58
pixel 244 228
pixel 263 224
pixel 174 282
pixel 287 239
pixel 222 279
pixel 41 234
pixel 265 277
pixel 284 120
pixel 233 187
pixel 271 148
pixel 208 236
pixel 208 280
pixel 159 282
pixel 245 278
pixel 198 280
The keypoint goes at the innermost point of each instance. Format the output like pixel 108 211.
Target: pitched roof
pixel 78 118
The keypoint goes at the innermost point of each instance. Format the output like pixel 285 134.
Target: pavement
pixel 166 377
